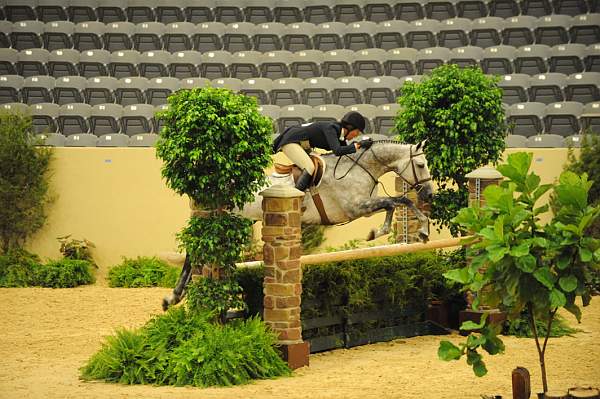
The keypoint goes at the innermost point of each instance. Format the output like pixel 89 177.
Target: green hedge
pixel 143 272
pixel 22 269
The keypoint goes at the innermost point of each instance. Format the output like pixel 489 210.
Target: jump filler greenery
pixel 519 264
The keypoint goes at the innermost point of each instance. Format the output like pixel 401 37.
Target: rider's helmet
pixel 354 120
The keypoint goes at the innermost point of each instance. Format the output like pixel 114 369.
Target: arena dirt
pixel 46 335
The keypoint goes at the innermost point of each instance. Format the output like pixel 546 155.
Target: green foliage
pixel 459 112
pixel 521 327
pixel 185 348
pixel 143 272
pixel 19 268
pixel 214 296
pixel 76 249
pixel 528 265
pixel 312 237
pixel 24 175
pixel 214 146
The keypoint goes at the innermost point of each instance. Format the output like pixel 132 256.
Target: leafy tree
pixel 459 112
pixel 215 146
pixel 519 264
pixel 24 175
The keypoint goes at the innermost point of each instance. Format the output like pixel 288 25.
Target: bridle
pixel 418 184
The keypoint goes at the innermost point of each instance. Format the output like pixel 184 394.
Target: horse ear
pixel 421 145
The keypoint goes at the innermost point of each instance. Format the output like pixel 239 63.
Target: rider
pixel 296 142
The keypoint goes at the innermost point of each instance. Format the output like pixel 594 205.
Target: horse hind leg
pixel 179 291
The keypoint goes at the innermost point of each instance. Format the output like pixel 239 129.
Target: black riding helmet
pixel 355 120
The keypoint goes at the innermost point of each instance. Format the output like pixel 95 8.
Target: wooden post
pixel 521 383
pixel 207 271
pixel 406 224
pixel 283 272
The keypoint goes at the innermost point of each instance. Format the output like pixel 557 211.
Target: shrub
pixel 143 272
pixel 24 178
pixel 312 237
pixel 18 268
pixel 71 248
pixel 459 112
pixel 185 348
pixel 64 273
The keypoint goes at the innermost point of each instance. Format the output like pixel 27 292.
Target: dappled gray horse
pixel 348 191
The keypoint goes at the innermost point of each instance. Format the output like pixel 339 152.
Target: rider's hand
pixel 365 143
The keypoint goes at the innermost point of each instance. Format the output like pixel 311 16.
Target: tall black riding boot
pixel 304 180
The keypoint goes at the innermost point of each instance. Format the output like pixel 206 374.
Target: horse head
pixel 414 171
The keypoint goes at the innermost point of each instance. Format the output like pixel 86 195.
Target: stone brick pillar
pixel 283 272
pixel 406 224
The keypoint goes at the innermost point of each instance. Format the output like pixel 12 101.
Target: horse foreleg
pixel 389 204
pixel 179 291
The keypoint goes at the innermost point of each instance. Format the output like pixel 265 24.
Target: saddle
pixel 296 172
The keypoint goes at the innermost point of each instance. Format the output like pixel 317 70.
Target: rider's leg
pixel 298 155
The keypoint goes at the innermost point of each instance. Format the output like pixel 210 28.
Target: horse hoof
pixel 423 237
pixel 165 304
pixel 371 235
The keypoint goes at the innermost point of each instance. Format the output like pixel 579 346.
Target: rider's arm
pixel 331 135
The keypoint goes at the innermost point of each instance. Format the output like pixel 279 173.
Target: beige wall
pixel 116 198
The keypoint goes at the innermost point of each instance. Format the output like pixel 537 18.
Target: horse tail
pixel 179 291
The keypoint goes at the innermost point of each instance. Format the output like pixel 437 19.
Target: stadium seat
pixel 293 115
pixel 526 119
pixel 359 35
pixel 148 36
pixel 94 63
pixel 267 36
pixel 317 91
pixel 184 64
pixel 37 89
pixel 547 87
pixel 486 32
pixel 536 8
pixel 409 10
pixel 105 119
pixel 348 90
pixel 590 118
pixel 193 83
pixel 44 117
pixel 348 11
pixel 32 62
pixel 81 140
pixel 378 11
pixel 63 62
pixel 57 35
pixel 567 58
pixel 276 64
pixel 298 36
pixel 124 63
pixel 471 9
pixel 498 60
pixel 258 88
pixel 400 62
pixel 385 119
pixel 208 36
pixel 159 89
pixel 143 140
pixel 113 140
pixel 454 33
pixel 552 29
pixel 562 118
pixel 592 58
pixel 532 59
pixel 337 63
pixel 318 11
pixel 574 141
pixel 88 35
pixel 369 62
pixel 19 10
pixel 328 113
pixel 515 141
pixel 307 64
pixel 515 88
pixel 503 8
pixel 100 90
pixel 82 10
pixel 381 90
pixel 232 84
pixel 119 36
pixel 229 11
pixel 15 108
pixel 583 87
pixel 111 11
pixel 422 33
pixel 69 89
pixel 170 11
pixel 288 11
pixel 159 122
pixel 390 34
pixel 328 36
pixel 27 34
pixel 178 36
pixel 546 141
pixel 238 36
pixel 5 30
pixel 259 11
pixel 570 7
pixel 440 9
pixel 8 61
pixel 137 119
pixel 73 118
pixel 51 139
pixel 139 11
pixel 215 64
pixel 518 31
pixel 131 90
pixel 585 29
pixel 286 91
pixel 430 58
pixel 468 56
pixel 245 64
pixel 10 88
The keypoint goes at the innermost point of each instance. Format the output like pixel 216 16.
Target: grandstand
pixel 93 73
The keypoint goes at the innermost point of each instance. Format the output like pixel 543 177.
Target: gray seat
pixel 409 10
pixel 515 141
pixel 178 36
pixel 486 32
pixel 159 122
pixel 238 36
pixel 232 84
pixel 563 118
pixel 271 111
pixel 503 8
pixel 369 111
pixel 567 58
pixel 348 11
pixel 258 88
pixel 124 63
pixel 525 119
pixel 139 11
pixel 73 118
pixel 422 33
pixel 119 36
pixel 583 87
pixel 515 88
pixel 82 10
pixel 454 32
pixel 37 89
pixel 471 9
pixel 430 58
pixel 44 117
pixel 536 8
pixel 32 62
pixel 88 35
pixel 152 64
pixel 384 120
pixel 378 12
pixel 184 64
pixel 401 62
pixel 359 35
pixel 546 141
pixel 110 11
pixel 10 88
pixel 369 62
pixel 498 60
pixel 69 89
pixel 276 64
pixel 159 89
pixel 267 36
pixel 585 29
pixel 208 36
pixel 19 10
pixel 81 140
pixel 170 11
pixel 590 118
pixel 63 62
pixel 200 11
pixel 440 9
pixel 215 64
pixel 307 64
pixel 390 34
pixel 113 140
pixel 94 63
pixel 229 11
pixel 245 64
pixel 592 58
pixel 143 140
pixel 57 35
pixel 131 90
pixel 288 11
pixel 318 11
pixel 328 113
pixel 317 91
pixel 298 36
pixel 328 36
pixel 286 91
pixel 100 90
pixel 337 63
pixel 27 34
pixel 5 30
pixel 381 90
pixel 547 87
pixel 519 31
pixel 348 90
pixel 552 29
pixel 52 139
pixel 293 115
pixel 571 7
pixel 532 59
pixel 105 119
pixel 148 36
pixel 15 108
pixel 575 141
pixel 137 119
pixel 8 61
pixel 468 56
pixel 193 83
pixel 412 79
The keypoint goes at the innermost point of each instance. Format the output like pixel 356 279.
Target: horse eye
pixel 421 165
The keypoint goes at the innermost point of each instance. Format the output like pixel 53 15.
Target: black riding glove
pixel 366 143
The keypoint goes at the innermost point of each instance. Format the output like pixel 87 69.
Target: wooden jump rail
pixel 371 252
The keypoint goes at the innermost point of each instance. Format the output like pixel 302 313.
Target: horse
pixel 347 189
